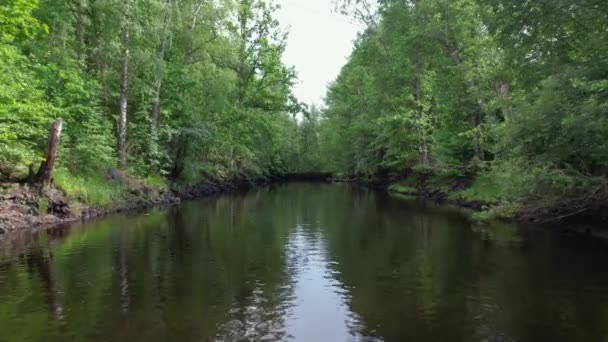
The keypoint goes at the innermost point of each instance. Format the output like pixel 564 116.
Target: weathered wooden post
pixel 45 173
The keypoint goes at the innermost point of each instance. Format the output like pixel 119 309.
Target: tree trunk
pixel 122 102
pixel 81 32
pixel 45 267
pixel 45 173
pixel 155 110
pixel 504 93
pixel 180 154
pixel 125 296
pixel 424 149
pixel 162 55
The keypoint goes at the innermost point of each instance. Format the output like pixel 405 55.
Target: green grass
pixel 483 189
pixel 93 190
pixel 402 189
pixel 156 181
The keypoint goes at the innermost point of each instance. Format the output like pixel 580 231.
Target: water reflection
pixel 301 262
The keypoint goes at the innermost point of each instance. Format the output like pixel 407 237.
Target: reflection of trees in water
pixel 415 273
pixel 124 281
pixel 34 250
pixel 250 251
pixel 398 263
pixel 30 286
pixel 40 261
pixel 224 269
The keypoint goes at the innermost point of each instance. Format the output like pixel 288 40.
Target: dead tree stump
pixel 45 173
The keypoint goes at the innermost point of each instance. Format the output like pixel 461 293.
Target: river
pixel 302 262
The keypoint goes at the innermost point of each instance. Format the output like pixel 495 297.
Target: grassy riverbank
pixel 511 198
pixel 74 198
pixel 77 197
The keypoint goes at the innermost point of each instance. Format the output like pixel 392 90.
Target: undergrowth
pixel 93 190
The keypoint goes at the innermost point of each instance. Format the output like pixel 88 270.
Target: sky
pixel 320 41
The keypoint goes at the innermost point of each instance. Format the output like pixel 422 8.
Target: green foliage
pixel 568 112
pixel 23 108
pixel 207 92
pixel 486 188
pixel 38 85
pixel 17 22
pixel 156 181
pixel 509 95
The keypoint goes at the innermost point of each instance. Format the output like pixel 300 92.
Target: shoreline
pixel 19 203
pixel 18 211
pixel 61 212
pixel 585 222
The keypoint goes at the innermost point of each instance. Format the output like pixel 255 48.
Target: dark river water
pixel 302 262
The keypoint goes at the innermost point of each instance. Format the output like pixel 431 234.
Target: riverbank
pixel 489 203
pixel 23 206
pixel 72 199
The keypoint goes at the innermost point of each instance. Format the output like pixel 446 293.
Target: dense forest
pixel 507 99
pixel 171 88
pixel 500 101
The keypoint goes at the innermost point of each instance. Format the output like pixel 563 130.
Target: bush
pixel 156 181
pixel 520 187
pixel 484 188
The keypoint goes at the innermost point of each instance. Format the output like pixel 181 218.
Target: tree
pixel 159 86
pixel 24 111
pixel 479 90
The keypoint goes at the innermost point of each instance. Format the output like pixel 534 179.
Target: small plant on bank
pixel 43 206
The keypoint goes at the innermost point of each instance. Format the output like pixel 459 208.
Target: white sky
pixel 320 41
